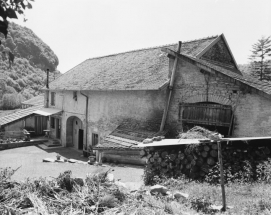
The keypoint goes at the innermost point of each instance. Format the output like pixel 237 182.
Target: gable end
pixel 219 53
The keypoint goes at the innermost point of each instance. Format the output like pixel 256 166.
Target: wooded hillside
pixel 27 75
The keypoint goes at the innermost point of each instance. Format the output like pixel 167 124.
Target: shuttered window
pixel 208 114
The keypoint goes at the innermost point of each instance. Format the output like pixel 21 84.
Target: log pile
pixel 200 161
pixel 173 161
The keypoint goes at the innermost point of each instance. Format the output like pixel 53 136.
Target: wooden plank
pixel 221 176
pixel 245 138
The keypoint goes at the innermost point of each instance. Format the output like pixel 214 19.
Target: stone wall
pixel 252 111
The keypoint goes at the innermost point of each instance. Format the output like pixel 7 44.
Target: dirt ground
pixel 29 159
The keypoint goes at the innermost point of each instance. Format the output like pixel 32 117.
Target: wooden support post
pixel 221 176
pixel 171 83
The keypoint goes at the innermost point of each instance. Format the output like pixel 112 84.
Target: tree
pixel 260 59
pixel 8 9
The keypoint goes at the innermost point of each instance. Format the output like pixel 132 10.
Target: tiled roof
pixel 129 134
pixel 18 115
pixel 124 139
pixel 145 69
pixel 37 100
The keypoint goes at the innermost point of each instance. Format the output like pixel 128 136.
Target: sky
pixel 82 29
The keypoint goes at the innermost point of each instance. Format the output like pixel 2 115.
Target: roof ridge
pixel 203 38
pixel 152 47
pixel 134 50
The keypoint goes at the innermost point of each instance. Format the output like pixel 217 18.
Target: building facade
pixel 110 102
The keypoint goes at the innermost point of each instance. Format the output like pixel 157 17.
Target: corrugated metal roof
pixel 18 115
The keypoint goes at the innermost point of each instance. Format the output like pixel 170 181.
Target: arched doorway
pixel 75 133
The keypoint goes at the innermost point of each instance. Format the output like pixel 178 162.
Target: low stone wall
pixel 19 144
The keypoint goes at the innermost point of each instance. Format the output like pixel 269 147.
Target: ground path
pixel 30 160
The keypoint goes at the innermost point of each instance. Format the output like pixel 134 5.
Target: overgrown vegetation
pixel 96 195
pixel 27 75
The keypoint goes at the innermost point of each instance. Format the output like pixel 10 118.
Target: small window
pixel 52 122
pixel 95 139
pixel 75 95
pixel 53 98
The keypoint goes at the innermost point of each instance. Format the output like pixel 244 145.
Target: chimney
pixel 47 83
pixel 47 89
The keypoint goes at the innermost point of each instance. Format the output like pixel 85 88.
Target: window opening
pixel 95 139
pixel 52 122
pixel 53 95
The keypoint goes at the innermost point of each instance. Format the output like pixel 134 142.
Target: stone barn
pixel 114 102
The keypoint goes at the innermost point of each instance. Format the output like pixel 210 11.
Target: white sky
pixel 81 29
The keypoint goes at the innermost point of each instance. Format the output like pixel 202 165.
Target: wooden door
pixel 80 139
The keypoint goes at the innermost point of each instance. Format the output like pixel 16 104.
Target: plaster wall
pixel 107 110
pixel 20 124
pixel 253 116
pixel 64 100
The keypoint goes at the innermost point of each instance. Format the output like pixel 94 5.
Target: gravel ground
pixel 29 159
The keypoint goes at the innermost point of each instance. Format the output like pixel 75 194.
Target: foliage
pixel 32 57
pixel 264 171
pixel 11 101
pixel 260 59
pixel 8 9
pixel 201 204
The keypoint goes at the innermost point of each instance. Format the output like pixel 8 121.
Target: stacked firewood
pixel 200 161
pixel 194 161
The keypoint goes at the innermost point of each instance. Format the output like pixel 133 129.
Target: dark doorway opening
pixel 40 125
pixel 58 128
pixel 80 139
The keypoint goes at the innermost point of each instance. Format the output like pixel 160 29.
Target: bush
pixel 264 171
pixel 11 101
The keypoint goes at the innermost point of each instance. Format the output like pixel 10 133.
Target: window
pixel 95 139
pixel 53 98
pixel 52 122
pixel 75 95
